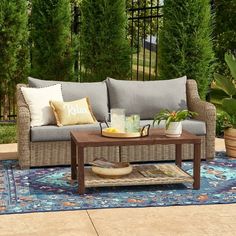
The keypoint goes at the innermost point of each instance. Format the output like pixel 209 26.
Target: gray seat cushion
pixel 96 92
pixel 147 97
pixel 55 133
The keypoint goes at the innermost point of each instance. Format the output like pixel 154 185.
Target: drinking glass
pixel 132 123
pixel 128 124
pixel 136 122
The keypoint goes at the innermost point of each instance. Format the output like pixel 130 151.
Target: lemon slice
pixel 112 130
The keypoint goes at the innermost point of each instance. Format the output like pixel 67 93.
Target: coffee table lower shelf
pixel 136 178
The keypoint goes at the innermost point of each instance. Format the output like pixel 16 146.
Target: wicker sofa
pixel 50 145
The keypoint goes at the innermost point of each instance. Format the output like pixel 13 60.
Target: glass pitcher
pixel 118 119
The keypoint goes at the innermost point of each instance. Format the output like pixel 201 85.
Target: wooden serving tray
pixel 121 135
pixel 144 131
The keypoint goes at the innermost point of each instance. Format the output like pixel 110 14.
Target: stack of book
pixel 154 172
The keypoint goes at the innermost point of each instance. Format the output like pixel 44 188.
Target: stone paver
pixel 8 151
pixel 212 220
pixel 76 223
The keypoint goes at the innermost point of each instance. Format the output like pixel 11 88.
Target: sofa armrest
pixel 23 129
pixel 206 112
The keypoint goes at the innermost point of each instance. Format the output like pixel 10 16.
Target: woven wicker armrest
pixel 206 112
pixel 23 129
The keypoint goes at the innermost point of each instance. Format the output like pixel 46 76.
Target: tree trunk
pixel 5 101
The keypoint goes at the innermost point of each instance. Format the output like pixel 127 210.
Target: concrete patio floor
pixel 212 220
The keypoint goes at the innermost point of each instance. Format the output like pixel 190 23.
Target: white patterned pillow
pixel 38 101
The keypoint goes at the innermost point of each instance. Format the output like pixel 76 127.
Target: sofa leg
pixel 24 165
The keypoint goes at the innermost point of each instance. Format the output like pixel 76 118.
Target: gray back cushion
pixel 147 97
pixel 96 92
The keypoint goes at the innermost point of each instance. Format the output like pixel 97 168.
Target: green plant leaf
pixel 219 107
pixel 217 95
pixel 229 106
pixel 172 116
pixel 168 122
pixel 225 84
pixel 231 62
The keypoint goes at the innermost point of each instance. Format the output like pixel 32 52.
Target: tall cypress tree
pixel 104 47
pixel 225 31
pixel 14 53
pixel 51 36
pixel 185 42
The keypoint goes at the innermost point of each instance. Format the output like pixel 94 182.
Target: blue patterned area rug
pixel 50 189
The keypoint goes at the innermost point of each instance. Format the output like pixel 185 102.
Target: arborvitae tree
pixel 185 46
pixel 52 57
pixel 14 53
pixel 104 47
pixel 225 31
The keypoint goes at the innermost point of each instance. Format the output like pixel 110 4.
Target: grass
pixel 141 67
pixel 8 133
pixel 147 58
pixel 141 75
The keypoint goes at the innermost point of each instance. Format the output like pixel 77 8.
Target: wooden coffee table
pixel 84 139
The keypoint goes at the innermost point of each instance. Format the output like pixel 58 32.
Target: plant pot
pixel 174 130
pixel 230 142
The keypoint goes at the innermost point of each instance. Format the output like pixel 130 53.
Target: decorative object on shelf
pixel 118 119
pixel 107 169
pixel 116 133
pixel 173 125
pixel 156 171
pixel 223 95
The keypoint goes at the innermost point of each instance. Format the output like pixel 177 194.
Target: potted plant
pixel 173 125
pixel 223 95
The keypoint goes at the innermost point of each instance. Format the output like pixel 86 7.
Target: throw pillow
pixel 72 113
pixel 38 101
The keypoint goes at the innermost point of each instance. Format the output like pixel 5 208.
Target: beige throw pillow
pixel 71 113
pixel 38 101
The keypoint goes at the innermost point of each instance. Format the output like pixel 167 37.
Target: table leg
pixel 80 157
pixel 196 165
pixel 178 155
pixel 73 160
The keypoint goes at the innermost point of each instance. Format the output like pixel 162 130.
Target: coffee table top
pixel 156 136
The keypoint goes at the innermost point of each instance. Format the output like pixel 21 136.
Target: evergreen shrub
pixel 225 32
pixel 52 52
pixel 185 46
pixel 104 47
pixel 14 50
